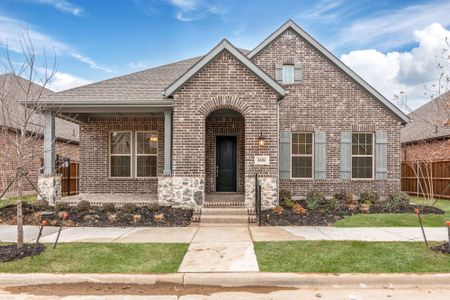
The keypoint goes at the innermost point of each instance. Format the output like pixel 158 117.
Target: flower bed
pixel 11 252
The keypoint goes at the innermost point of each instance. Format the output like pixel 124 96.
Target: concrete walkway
pixel 238 234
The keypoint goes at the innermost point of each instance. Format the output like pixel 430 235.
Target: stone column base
pixel 268 192
pixel 188 192
pixel 50 188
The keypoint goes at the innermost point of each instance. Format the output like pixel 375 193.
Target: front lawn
pixel 102 258
pixel 399 220
pixel 349 257
pixel 26 199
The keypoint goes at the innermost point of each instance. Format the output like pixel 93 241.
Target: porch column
pixel 49 143
pixel 167 143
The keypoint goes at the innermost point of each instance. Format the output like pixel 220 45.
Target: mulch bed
pixel 143 216
pixel 11 252
pixel 443 248
pixel 324 217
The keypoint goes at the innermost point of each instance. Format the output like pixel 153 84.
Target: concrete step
pixel 224 211
pixel 203 224
pixel 224 219
pixel 232 204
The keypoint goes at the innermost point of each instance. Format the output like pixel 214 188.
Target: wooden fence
pixel 422 178
pixel 70 176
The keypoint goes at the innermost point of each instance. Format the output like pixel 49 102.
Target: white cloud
pixel 137 65
pixel 391 29
pixel 63 6
pixel 63 81
pixel 325 10
pixel 408 72
pixel 90 62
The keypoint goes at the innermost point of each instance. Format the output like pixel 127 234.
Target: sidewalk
pixel 222 234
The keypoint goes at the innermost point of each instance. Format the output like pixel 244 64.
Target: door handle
pixel 217 171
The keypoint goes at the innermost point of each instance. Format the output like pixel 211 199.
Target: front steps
pixel 224 209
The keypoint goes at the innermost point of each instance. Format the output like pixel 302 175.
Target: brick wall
pixel 224 125
pixel 330 101
pixel 35 148
pixel 94 169
pixel 427 150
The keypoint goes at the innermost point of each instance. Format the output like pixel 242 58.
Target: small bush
pixel 369 197
pixel 344 197
pixel 109 207
pixel 84 205
pixel 284 194
pixel 314 200
pixel 288 203
pixel 129 207
pixel 298 209
pixel 154 206
pixel 59 206
pixel 396 201
pixel 41 204
pixel 278 210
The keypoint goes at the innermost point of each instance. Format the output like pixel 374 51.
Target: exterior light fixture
pixel 261 139
pixel 154 138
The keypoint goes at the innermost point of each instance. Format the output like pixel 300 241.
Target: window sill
pixel 132 178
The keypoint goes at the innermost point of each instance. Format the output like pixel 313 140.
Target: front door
pixel 226 164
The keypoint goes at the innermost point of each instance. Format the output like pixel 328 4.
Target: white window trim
pixel 293 73
pixel 304 155
pixel 136 154
pixel 130 155
pixel 372 155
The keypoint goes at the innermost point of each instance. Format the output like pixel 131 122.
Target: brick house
pixel 288 110
pixel 12 89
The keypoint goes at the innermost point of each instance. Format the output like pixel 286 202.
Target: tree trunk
pixel 19 214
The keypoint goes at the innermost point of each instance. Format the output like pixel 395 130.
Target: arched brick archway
pixel 224 102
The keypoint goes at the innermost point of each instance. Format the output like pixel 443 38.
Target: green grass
pixel 9 201
pixel 349 257
pixel 399 220
pixel 102 258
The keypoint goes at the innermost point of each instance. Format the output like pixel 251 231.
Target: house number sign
pixel 261 160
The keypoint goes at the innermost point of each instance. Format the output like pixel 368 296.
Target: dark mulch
pixel 325 217
pixel 97 217
pixel 11 252
pixel 443 248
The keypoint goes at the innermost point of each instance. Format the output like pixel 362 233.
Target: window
pixel 146 153
pixel 288 74
pixel 362 155
pixel 302 155
pixel 120 154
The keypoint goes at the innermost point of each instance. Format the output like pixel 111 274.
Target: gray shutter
pixel 279 73
pixel 381 154
pixel 298 73
pixel 346 155
pixel 285 154
pixel 320 155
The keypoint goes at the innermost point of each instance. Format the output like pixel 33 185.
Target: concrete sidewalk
pixel 222 234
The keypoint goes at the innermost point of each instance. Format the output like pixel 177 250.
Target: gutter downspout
pixel 278 146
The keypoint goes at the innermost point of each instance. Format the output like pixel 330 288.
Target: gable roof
pixel 224 45
pixel 430 121
pixel 13 89
pixel 291 24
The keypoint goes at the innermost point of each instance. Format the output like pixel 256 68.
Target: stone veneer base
pixel 181 191
pixel 50 188
pixel 268 192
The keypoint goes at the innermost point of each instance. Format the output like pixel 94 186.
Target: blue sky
pixel 95 40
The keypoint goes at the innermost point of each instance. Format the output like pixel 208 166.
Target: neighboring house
pixel 427 136
pixel 12 90
pixel 288 110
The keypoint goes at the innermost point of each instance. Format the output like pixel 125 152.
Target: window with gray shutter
pixel 279 73
pixel 320 155
pixel 346 155
pixel 302 154
pixel 285 154
pixel 362 155
pixel 298 76
pixel 381 154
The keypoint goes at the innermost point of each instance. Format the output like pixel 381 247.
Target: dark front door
pixel 226 164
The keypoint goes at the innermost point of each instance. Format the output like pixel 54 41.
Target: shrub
pixel 298 209
pixel 41 204
pixel 278 210
pixel 84 205
pixel 288 203
pixel 284 194
pixel 344 197
pixel 314 200
pixel 59 206
pixel 369 197
pixel 396 201
pixel 109 207
pixel 154 206
pixel 129 207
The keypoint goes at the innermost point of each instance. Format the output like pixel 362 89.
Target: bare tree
pixel 25 81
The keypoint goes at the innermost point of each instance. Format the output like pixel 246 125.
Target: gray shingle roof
pixel 429 121
pixel 12 90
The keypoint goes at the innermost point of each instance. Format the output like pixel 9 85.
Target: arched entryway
pixel 224 151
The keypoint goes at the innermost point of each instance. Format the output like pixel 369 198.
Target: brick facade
pixel 435 149
pixel 9 162
pixel 94 142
